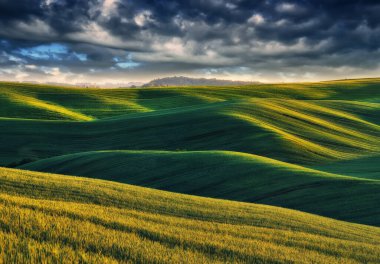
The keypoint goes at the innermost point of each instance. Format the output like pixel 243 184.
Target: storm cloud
pixel 126 40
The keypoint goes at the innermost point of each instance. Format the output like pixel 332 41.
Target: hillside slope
pixel 240 143
pixel 229 175
pixel 21 100
pixel 295 131
pixel 367 167
pixel 56 218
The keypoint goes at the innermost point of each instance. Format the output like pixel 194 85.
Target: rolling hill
pixel 263 135
pixel 312 147
pixel 57 218
pixel 229 175
pixel 296 131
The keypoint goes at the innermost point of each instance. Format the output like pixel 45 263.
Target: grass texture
pixel 63 219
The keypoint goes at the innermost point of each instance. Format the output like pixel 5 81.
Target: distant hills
pixel 161 82
pixel 186 81
pixel 87 84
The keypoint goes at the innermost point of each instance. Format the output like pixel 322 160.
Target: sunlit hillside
pixel 241 151
pixel 197 131
pixel 61 219
pixel 230 175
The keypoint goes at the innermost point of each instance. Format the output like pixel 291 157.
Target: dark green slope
pixel 367 167
pixel 288 130
pixel 229 175
pixel 188 129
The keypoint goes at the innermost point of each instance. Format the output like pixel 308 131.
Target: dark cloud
pixel 146 38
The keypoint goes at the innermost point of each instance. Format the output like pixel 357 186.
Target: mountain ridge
pixel 187 81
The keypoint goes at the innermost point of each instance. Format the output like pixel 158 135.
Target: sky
pixel 139 40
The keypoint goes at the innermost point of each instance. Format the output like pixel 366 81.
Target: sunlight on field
pixel 111 222
pixel 312 147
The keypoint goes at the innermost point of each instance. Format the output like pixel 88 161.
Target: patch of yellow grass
pixel 34 102
pixel 124 102
pixel 53 218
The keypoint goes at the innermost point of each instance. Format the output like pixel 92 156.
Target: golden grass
pixel 49 107
pixel 53 218
pixel 131 104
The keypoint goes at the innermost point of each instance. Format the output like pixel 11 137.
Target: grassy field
pixel 56 218
pixel 304 132
pixel 230 175
pixel 313 147
pixel 20 100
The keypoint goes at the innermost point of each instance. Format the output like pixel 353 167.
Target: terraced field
pixel 311 147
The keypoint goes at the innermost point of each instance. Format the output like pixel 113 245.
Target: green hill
pixel 367 167
pixel 296 131
pixel 229 175
pixel 309 123
pixel 61 219
pixel 313 147
pixel 306 146
pixel 20 100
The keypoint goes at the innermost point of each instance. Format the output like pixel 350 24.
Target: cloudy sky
pixel 139 40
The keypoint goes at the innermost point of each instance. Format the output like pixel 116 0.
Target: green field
pixel 230 175
pixel 310 147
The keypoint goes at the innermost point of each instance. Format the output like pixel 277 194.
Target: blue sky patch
pixel 54 51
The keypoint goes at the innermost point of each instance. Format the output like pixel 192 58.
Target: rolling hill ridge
pixel 272 144
pixel 243 174
pixel 229 175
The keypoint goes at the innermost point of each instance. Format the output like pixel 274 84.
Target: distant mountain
pixel 121 85
pixel 186 81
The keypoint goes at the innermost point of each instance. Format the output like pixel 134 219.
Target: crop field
pixel 263 173
pixel 58 218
